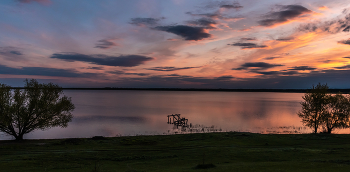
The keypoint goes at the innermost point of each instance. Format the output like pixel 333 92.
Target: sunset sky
pixel 176 43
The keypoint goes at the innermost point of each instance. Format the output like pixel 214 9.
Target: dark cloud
pixel 268 72
pixel 289 73
pixel 257 65
pixel 223 4
pixel 346 29
pixel 286 13
pixel 38 1
pixel 302 68
pixel 343 67
pixel 177 81
pixel 277 73
pixel 286 39
pixel 118 72
pixel 347 57
pixel 16 53
pixel 145 21
pixel 215 16
pixel 271 58
pixel 326 61
pixel 232 6
pixel 248 45
pixel 105 44
pixel 335 79
pixel 269 80
pixel 170 68
pixel 248 39
pixel 138 74
pixel 95 68
pixel 225 78
pixel 41 71
pixel 310 27
pixel 332 26
pixel 123 60
pixel 186 32
pixel 209 15
pixel 173 75
pixel 345 42
pixel 9 51
pixel 204 22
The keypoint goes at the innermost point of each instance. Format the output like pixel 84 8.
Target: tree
pixel 336 114
pixel 36 106
pixel 314 105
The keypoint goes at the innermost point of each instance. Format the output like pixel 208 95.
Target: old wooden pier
pixel 177 120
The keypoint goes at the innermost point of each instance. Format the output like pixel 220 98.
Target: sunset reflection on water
pixel 115 113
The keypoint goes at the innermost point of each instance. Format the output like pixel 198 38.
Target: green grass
pixel 180 153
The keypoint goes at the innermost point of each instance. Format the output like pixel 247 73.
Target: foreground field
pixel 217 151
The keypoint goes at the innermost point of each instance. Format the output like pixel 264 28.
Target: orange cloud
pixel 323 8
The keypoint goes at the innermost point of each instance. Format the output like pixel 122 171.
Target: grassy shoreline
pixel 226 151
pixel 345 90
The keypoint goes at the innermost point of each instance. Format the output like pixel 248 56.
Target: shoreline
pixel 178 134
pixel 345 91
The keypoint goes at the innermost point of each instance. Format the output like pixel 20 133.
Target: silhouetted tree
pixel 336 114
pixel 37 106
pixel 314 105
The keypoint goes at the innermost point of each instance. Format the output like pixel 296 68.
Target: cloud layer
pixel 333 26
pixel 345 42
pixel 302 68
pixel 286 13
pixel 221 43
pixel 42 71
pixel 39 1
pixel 170 68
pixel 256 65
pixel 105 44
pixel 203 22
pixel 248 45
pixel 145 21
pixel 186 32
pixel 123 60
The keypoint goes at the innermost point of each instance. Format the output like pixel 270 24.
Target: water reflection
pixel 111 113
pixel 109 119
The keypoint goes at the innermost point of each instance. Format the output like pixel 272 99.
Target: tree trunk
pixel 19 137
pixel 315 131
pixel 315 118
pixel 329 130
pixel 316 122
pixel 316 127
pixel 329 126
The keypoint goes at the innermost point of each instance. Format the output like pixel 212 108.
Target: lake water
pixel 120 112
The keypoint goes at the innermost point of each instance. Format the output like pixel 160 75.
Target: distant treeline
pixel 346 91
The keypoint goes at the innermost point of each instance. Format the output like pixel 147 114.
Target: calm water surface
pixel 116 112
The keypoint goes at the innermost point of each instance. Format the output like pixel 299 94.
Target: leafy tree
pixel 336 114
pixel 314 105
pixel 37 106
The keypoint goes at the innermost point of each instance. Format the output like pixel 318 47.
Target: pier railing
pixel 178 121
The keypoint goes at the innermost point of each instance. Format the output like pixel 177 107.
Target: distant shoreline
pixel 205 89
